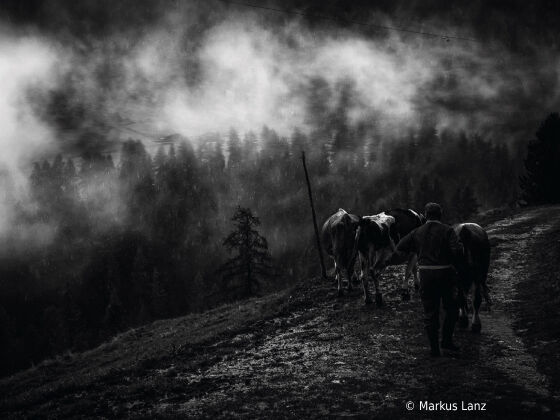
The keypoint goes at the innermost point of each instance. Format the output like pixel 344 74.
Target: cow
pixel 406 220
pixel 337 237
pixel 473 271
pixel 377 251
pixel 375 245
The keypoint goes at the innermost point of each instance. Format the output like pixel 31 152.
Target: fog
pixel 130 132
pixel 27 64
pixel 244 71
pixel 194 70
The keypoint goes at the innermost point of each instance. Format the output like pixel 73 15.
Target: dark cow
pixel 375 245
pixel 377 251
pixel 406 220
pixel 337 237
pixel 473 270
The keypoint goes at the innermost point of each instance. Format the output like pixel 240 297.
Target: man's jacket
pixel 435 243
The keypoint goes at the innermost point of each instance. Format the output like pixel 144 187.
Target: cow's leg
pixel 378 296
pixel 405 294
pixel 349 275
pixel 476 324
pixel 364 265
pixel 415 272
pixel 375 274
pixel 462 303
pixel 354 277
pixel 338 276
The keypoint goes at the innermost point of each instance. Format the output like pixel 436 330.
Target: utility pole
pixel 319 248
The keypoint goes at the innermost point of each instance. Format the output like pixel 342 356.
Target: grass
pixel 537 315
pixel 305 353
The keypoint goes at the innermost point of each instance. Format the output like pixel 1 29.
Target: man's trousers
pixel 439 286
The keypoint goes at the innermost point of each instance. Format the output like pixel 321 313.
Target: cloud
pixel 194 71
pixel 251 75
pixel 243 71
pixel 26 65
pixel 254 76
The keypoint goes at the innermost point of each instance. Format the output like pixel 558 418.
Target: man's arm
pixel 407 244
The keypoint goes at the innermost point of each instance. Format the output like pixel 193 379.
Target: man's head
pixel 433 211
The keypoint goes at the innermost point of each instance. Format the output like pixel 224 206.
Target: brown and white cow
pixel 377 250
pixel 473 271
pixel 337 237
pixel 375 245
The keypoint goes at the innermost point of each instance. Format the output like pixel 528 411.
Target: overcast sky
pixel 160 67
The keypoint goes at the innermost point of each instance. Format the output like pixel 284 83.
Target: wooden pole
pixel 319 248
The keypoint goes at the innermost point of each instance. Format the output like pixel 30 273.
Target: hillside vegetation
pixel 306 353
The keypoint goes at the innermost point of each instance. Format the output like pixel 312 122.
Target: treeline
pixel 134 237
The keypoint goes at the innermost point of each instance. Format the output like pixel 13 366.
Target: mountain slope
pixel 305 353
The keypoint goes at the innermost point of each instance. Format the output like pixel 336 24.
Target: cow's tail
pixel 486 291
pixel 394 237
pixel 483 283
pixel 355 248
pixel 486 294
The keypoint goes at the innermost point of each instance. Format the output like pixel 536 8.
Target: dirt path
pixel 322 356
pixel 515 240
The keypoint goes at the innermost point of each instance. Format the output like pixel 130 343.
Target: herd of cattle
pixel 373 240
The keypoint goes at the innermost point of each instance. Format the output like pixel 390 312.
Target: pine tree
pixel 159 295
pixel 542 164
pixel 159 162
pixel 343 137
pixel 465 204
pixel 217 162
pixel 438 193
pixel 422 194
pixel 470 203
pixel 404 193
pixel 136 176
pixel 252 260
pixel 299 143
pixel 250 147
pixel 455 210
pixel 274 147
pixel 234 149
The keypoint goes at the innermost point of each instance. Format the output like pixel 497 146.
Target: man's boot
pixel 447 341
pixel 447 333
pixel 434 345
pixel 449 345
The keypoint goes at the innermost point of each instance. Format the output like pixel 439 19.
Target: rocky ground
pixel 306 353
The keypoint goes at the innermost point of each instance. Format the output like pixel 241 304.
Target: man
pixel 437 247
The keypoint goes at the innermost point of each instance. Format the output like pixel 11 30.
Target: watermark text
pixel 445 406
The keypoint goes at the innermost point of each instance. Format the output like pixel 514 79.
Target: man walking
pixel 437 247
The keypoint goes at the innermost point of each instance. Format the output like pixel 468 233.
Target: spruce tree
pixel 235 151
pixel 250 148
pixel 542 164
pixel 251 259
pixel 422 193
pixel 465 204
pixel 469 201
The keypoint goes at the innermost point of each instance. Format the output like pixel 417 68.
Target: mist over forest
pixel 131 131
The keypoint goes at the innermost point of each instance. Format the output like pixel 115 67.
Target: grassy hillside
pixel 306 353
